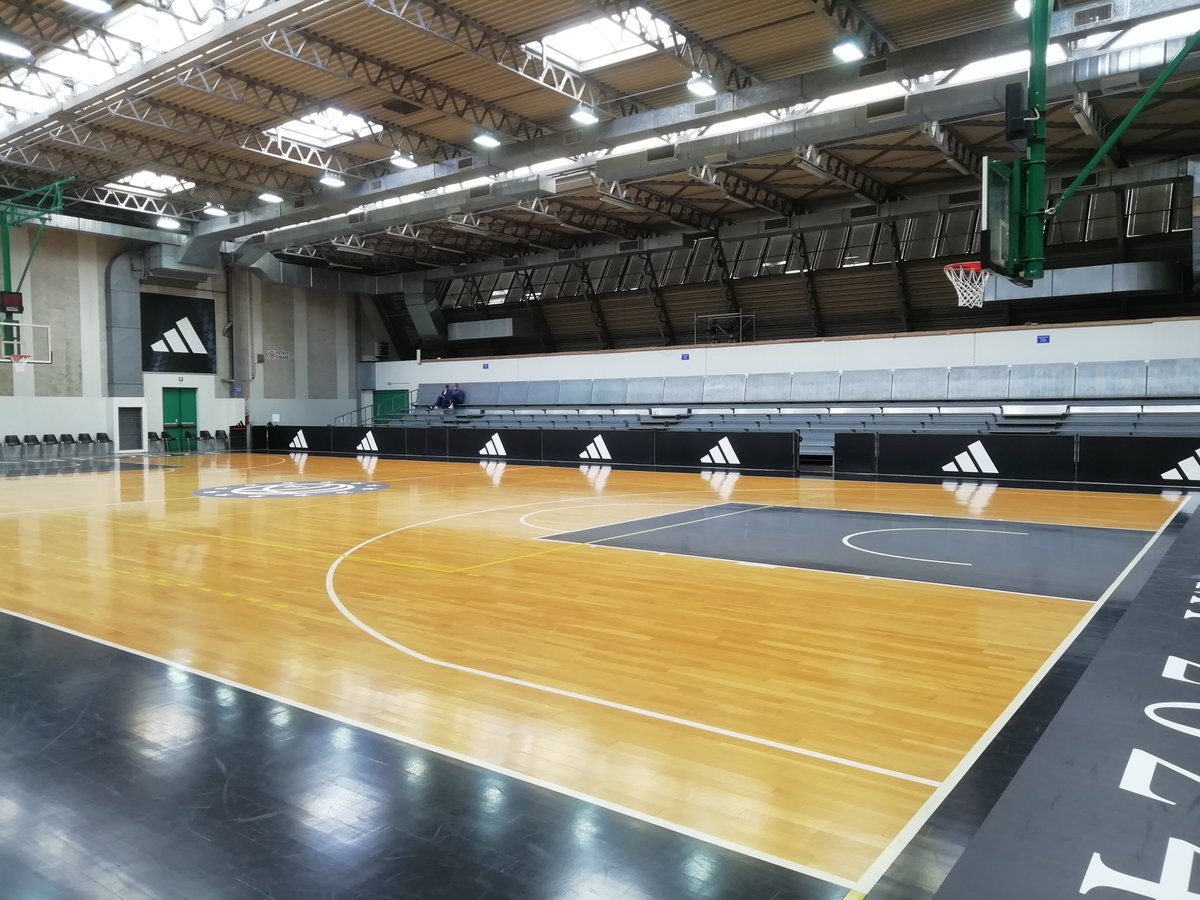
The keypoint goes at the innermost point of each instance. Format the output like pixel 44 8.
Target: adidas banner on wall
pixel 1034 457
pixel 179 334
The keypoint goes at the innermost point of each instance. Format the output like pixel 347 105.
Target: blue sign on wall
pixel 1043 338
pixel 485 365
pixel 685 356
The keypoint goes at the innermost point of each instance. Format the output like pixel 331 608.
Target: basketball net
pixel 969 280
pixel 20 362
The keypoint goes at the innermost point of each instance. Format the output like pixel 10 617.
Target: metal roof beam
pixel 1093 123
pixel 225 133
pixel 187 161
pixel 826 165
pixel 848 18
pixel 957 152
pixel 501 50
pixel 580 218
pixel 632 196
pixel 250 92
pixel 739 188
pixel 361 69
pixel 693 52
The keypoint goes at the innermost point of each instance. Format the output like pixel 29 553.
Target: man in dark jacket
pixel 457 396
pixel 445 399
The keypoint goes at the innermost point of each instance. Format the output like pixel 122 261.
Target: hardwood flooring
pixel 803 716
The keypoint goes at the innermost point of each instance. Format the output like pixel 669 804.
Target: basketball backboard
pixel 17 338
pixel 999 243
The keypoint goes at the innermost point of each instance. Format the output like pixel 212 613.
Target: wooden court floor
pixel 803 716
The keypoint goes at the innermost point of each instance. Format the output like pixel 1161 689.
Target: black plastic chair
pixel 12 448
pixel 85 445
pixel 33 447
pixel 49 446
pixel 104 443
pixel 155 443
pixel 66 444
pixel 204 441
pixel 221 440
pixel 189 440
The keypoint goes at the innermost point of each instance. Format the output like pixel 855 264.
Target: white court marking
pixel 537 512
pixel 942 562
pixel 909 831
pixel 574 695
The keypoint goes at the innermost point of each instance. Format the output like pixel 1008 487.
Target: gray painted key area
pixel 1029 558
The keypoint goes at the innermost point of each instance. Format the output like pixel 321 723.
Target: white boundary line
pixel 884 861
pixel 460 757
pixel 942 562
pixel 574 695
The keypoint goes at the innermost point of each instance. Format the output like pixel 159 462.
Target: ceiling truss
pixel 500 50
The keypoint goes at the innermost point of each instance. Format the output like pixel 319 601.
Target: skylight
pixel 328 128
pixel 1005 64
pixel 152 184
pixel 604 41
pixel 1179 25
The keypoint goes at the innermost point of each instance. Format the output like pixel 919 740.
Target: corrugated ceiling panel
pixel 779 305
pixel 859 300
pixel 631 319
pixel 570 323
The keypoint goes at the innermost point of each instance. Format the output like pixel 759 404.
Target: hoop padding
pixel 970 280
pixel 20 362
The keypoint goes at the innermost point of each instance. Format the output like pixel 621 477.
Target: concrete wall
pixel 65 289
pixel 1174 339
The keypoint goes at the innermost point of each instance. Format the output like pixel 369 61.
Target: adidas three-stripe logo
pixel 1186 470
pixel 180 339
pixel 299 442
pixel 722 454
pixel 494 447
pixel 367 444
pixel 974 459
pixel 597 449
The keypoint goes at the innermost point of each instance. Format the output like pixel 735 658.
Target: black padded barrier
pixel 699 450
pixel 287 438
pixel 1166 461
pixel 510 444
pixel 854 453
pixel 1021 457
pixel 623 448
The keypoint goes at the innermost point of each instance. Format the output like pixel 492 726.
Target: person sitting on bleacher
pixel 445 399
pixel 457 396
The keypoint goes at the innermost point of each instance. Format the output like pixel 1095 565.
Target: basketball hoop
pixel 20 361
pixel 969 280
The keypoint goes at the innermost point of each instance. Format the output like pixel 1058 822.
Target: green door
pixel 389 404
pixel 179 417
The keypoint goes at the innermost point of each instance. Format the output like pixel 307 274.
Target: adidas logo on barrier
pixel 597 449
pixel 180 339
pixel 974 459
pixel 721 455
pixel 596 475
pixel 368 464
pixel 299 442
pixel 1187 469
pixel 722 482
pixel 368 444
pixel 494 469
pixel 494 447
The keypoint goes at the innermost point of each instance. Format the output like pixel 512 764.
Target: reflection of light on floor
pixel 585 829
pixel 301 460
pixel 342 738
pixel 699 866
pixel 596 475
pixel 974 495
pixel 415 767
pixel 166 726
pixel 368 464
pixel 493 799
pixel 280 716
pixel 493 469
pixel 338 803
pixel 1172 496
pixel 226 696
pixel 605 882
pixel 722 482
pixel 178 677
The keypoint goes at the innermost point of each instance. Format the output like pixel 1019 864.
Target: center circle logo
pixel 292 489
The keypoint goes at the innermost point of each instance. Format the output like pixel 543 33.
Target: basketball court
pixel 791 669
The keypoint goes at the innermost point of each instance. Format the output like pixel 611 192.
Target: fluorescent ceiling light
pixel 353 251
pixel 403 161
pixel 10 47
pixel 215 211
pixel 96 6
pixel 333 180
pixel 848 51
pixel 268 197
pixel 1024 8
pixel 585 116
pixel 167 223
pixel 701 85
pixel 486 140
